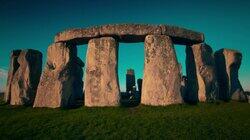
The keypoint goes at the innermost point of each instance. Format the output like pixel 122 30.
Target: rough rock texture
pixel 227 64
pixel 26 78
pixel 61 81
pixel 101 81
pixel 130 33
pixel 162 80
pixel 201 73
pixel 14 65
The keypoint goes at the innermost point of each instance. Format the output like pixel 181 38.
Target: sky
pixel 32 24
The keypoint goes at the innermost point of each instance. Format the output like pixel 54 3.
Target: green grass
pixel 203 121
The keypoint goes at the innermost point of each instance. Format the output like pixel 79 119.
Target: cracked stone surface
pixel 228 63
pixel 162 80
pixel 201 73
pixel 14 65
pixel 130 33
pixel 101 81
pixel 25 80
pixel 61 81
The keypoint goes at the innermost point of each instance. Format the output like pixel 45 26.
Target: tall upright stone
pixel 161 81
pixel 26 78
pixel 228 63
pixel 130 80
pixel 201 73
pixel 184 92
pixel 14 65
pixel 139 85
pixel 61 80
pixel 101 81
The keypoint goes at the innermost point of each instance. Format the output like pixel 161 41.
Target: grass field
pixel 203 121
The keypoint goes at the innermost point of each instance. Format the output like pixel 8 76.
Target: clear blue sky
pixel 33 24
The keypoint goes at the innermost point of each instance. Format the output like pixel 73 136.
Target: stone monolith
pixel 101 81
pixel 162 80
pixel 130 81
pixel 139 85
pixel 61 80
pixel 228 63
pixel 26 78
pixel 14 65
pixel 201 73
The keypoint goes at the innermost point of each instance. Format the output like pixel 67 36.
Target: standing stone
pixel 25 81
pixel 139 84
pixel 61 81
pixel 14 65
pixel 161 81
pixel 247 93
pixel 101 82
pixel 228 63
pixel 201 73
pixel 184 93
pixel 130 80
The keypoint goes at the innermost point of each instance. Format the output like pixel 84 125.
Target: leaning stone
pixel 101 82
pixel 201 73
pixel 228 63
pixel 14 65
pixel 61 80
pixel 162 80
pixel 25 81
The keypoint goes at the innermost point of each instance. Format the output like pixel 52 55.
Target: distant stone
pixel 247 93
pixel 201 73
pixel 184 93
pixel 101 82
pixel 139 85
pixel 26 78
pixel 61 81
pixel 130 33
pixel 14 65
pixel 1 96
pixel 228 63
pixel 130 80
pixel 162 80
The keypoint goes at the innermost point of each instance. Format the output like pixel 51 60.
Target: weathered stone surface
pixel 101 81
pixel 26 78
pixel 14 65
pixel 61 81
pixel 201 73
pixel 227 64
pixel 130 33
pixel 162 80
